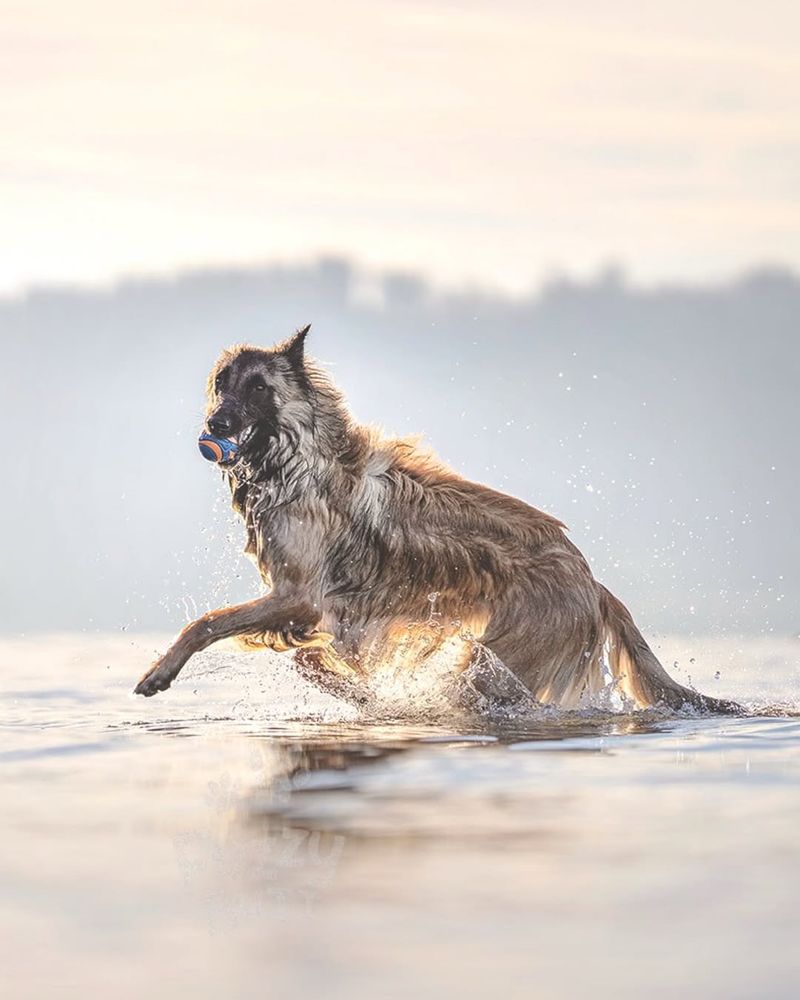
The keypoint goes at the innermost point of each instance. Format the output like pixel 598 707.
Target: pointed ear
pixel 293 348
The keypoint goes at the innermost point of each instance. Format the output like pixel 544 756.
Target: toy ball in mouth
pixel 219 450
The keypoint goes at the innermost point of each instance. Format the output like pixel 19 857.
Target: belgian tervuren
pixel 356 536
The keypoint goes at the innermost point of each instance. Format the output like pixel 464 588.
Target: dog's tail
pixel 636 668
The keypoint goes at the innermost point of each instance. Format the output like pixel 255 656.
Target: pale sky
pixel 495 142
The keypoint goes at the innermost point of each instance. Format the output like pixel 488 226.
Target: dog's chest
pixel 284 542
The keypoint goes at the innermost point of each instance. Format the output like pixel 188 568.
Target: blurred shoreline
pixel 657 423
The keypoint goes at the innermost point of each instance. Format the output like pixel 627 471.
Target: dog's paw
pixel 158 678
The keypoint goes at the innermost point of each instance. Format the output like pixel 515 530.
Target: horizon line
pixel 612 274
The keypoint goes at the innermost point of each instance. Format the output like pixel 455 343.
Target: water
pixel 199 844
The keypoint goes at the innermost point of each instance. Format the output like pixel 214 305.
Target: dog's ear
pixel 293 348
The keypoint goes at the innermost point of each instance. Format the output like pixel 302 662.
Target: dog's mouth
pixel 241 441
pixel 228 450
pixel 244 435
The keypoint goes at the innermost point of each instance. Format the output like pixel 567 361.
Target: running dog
pixel 356 535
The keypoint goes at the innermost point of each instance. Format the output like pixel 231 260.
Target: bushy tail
pixel 637 671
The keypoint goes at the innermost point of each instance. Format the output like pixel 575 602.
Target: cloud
pixel 488 143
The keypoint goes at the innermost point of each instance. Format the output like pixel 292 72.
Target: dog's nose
pixel 220 425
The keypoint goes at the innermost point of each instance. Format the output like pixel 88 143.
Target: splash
pixel 266 687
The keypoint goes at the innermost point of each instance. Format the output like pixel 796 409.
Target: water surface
pixel 245 836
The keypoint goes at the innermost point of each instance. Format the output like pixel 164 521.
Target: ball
pixel 219 450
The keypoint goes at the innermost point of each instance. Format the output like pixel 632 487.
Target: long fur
pixel 377 554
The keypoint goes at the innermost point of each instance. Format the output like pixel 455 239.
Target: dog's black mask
pixel 248 388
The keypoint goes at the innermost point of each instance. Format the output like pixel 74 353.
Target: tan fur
pixel 378 554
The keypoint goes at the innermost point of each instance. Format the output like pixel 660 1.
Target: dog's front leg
pixel 269 614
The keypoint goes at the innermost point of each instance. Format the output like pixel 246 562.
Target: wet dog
pixel 358 536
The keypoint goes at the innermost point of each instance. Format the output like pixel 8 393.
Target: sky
pixel 493 143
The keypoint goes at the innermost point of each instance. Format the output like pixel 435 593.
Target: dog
pixel 359 536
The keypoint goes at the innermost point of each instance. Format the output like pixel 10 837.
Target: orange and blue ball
pixel 219 450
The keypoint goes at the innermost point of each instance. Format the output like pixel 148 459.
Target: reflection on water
pixel 246 836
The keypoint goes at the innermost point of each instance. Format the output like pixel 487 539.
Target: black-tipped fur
pixel 378 556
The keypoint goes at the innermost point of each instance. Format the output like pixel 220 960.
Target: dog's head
pixel 252 390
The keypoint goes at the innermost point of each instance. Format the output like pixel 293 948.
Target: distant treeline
pixel 660 424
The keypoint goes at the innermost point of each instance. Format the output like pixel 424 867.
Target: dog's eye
pixel 259 385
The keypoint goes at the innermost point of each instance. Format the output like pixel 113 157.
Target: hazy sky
pixel 493 141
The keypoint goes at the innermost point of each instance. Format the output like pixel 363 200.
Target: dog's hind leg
pixel 274 613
